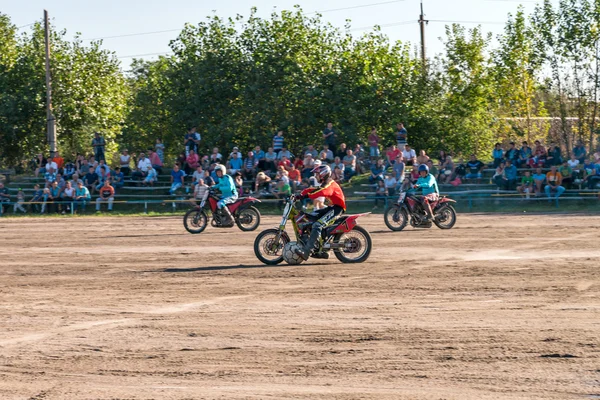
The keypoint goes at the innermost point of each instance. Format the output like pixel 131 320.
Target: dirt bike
pixel 246 217
pixel 350 243
pixel 409 208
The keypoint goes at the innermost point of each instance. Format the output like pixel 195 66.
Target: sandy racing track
pixel 501 307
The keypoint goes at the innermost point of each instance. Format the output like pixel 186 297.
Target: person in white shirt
pixel 409 155
pixel 143 166
pixel 51 164
pixel 125 158
pixel 573 162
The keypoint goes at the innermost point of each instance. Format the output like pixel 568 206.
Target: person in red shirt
pixel 285 163
pixel 330 190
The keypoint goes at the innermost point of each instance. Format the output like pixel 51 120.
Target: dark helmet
pixel 423 167
pixel 322 172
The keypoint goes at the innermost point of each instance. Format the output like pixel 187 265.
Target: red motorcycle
pixel 397 216
pixel 246 217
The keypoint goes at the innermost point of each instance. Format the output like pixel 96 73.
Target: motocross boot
pixel 310 244
pixel 227 221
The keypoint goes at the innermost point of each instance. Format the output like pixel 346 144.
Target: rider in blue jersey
pixel 429 186
pixel 228 192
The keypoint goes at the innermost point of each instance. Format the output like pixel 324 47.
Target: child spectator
pixel 373 140
pixel 176 179
pixel 381 193
pixel 45 198
pixel 151 177
pixel 20 201
pixel 82 197
pixel 37 198
pixel 538 179
pixel 68 196
pixel 160 150
pixel 208 179
pixel 106 195
pixel 554 181
pixel 527 185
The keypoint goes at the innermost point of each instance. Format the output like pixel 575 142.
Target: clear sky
pixel 103 19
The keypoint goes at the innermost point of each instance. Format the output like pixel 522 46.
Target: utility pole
pixel 49 116
pixel 422 23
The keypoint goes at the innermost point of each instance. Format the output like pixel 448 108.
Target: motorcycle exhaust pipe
pixel 330 246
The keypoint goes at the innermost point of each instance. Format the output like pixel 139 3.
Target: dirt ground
pixel 500 307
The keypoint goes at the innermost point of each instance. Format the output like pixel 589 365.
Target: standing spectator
pixel 329 136
pixel 271 160
pixel 82 197
pixel 512 154
pixel 539 179
pixel 401 137
pixel 326 154
pixel 157 163
pixel 422 158
pixel 250 164
pixel 176 179
pixel 341 153
pixel 106 195
pixel 234 164
pixel 377 171
pixel 510 172
pixel 390 184
pixel 567 173
pixel 349 165
pixel 98 144
pixel 381 193
pixel 278 142
pixel 359 153
pixel 37 197
pixel 118 180
pixel 580 152
pixel 409 155
pixel 160 150
pixel 373 143
pixel 216 157
pixel 527 185
pixel 143 165
pixel 68 196
pixel 191 139
pixel 497 155
pixel 524 156
pixel 40 164
pixel 554 156
pixel 20 201
pixel 475 168
pixel 553 183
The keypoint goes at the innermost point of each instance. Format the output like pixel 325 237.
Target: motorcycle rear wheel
pixel 445 217
pixel 266 249
pixel 357 245
pixel 395 218
pixel 248 219
pixel 195 221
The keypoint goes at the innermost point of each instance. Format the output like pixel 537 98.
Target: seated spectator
pixel 284 162
pixel 106 195
pixel 326 154
pixel 474 169
pixel 337 174
pixel 567 174
pixel 91 180
pixel 349 165
pixel 554 156
pixel 259 155
pixel 181 160
pixel 92 162
pixel 409 156
pixel 341 152
pixel 337 162
pixel 200 190
pixel 36 199
pixel 390 184
pixel 597 155
pixel 319 202
pixel 143 165
pixel 414 175
pixel 239 183
pixel 307 166
pixel 151 177
pixel 208 179
pixel 157 164
pixel 50 176
pixel 553 183
pixel 510 173
pixel 216 157
pixel 499 178
pixel 46 197
pixel 497 155
pixel 311 150
pixel 588 171
pixel 573 162
pixel 284 153
pixel 68 196
pixel 40 164
pixel 51 164
pixel 197 175
pixel 580 152
pixel 103 176
pixel 381 194
pixel 19 203
pixel 69 170
pixel 82 197
pixel 539 156
pixel 446 170
pixel 527 185
pixel 261 183
pixel 84 167
pixel 282 186
pixel 205 163
pixel 118 180
pixel 422 158
pixel 392 154
pixel 270 160
pixel 359 153
pixel 442 158
pixel 299 163
pixel 539 179
pixel 399 168
pixel 594 177
pixel 176 179
pixel 250 164
pixel 236 150
pixel 294 177
pixel 55 191
pixel 432 168
pixel 524 155
pixel 377 171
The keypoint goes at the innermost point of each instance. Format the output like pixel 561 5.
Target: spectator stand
pixel 5 175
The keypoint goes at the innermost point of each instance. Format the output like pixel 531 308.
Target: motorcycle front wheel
pixel 195 221
pixel 248 219
pixel 445 217
pixel 395 218
pixel 357 245
pixel 268 248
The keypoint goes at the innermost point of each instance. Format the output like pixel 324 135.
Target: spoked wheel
pixel 445 217
pixel 195 220
pixel 268 246
pixel 248 219
pixel 396 218
pixel 357 245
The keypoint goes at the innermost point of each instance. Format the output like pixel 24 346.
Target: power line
pixel 353 7
pixel 146 54
pixel 25 26
pixel 467 22
pixel 134 34
pixel 384 25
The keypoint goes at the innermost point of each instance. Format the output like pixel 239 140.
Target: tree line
pixel 239 80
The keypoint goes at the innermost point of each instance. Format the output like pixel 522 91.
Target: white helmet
pixel 221 168
pixel 323 172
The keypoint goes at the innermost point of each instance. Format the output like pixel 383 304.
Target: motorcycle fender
pixel 446 200
pixel 348 224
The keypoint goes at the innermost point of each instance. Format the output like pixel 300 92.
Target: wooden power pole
pixel 422 23
pixel 49 115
